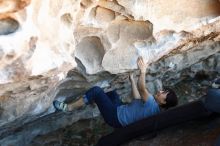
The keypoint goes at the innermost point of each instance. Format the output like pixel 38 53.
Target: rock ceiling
pixel 42 40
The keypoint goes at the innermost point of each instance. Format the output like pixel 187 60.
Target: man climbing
pixel 117 114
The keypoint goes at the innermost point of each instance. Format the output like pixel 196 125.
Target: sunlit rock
pixel 104 15
pixel 51 24
pixel 7 6
pixel 122 34
pixel 90 52
pixel 174 14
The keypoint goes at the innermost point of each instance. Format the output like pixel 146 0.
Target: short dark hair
pixel 171 99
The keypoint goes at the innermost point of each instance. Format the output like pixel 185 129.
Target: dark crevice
pixel 8 26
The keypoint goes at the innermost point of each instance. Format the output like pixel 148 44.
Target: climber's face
pixel 161 97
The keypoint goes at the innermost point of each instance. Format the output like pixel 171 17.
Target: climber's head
pixel 166 98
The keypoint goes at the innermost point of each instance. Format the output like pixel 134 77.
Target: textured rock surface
pixel 55 49
pixel 90 52
pixel 49 32
pixel 204 132
pixel 8 25
pixel 87 132
pixel 178 15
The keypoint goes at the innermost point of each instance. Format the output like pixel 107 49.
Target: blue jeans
pixel 107 104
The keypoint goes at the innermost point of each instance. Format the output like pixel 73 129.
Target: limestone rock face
pixel 12 6
pixel 122 42
pixel 54 49
pixel 37 43
pixel 90 52
pixel 42 31
pixel 173 14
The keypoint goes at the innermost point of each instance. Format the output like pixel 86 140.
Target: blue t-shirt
pixel 137 110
